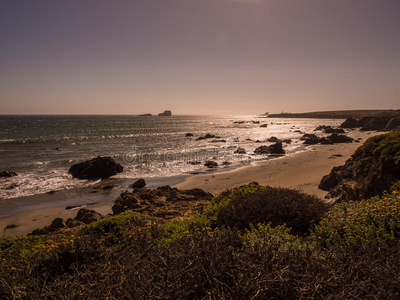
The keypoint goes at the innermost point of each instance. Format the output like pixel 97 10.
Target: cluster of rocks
pixel 96 168
pixel 164 202
pixel 329 129
pixel 334 138
pixel 274 139
pixel 211 164
pixel 207 136
pixel 83 217
pixel 271 149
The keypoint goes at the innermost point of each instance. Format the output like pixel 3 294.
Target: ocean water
pixel 41 149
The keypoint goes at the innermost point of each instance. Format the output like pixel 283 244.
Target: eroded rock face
pixel 96 168
pixel 371 170
pixel 349 123
pixel 339 138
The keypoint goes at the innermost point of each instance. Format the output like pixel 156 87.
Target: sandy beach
pixel 301 171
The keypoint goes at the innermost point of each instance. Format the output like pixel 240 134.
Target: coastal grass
pixel 241 246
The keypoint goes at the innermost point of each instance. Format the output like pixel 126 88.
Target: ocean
pixel 41 149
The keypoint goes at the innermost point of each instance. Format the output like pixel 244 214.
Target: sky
pixel 198 56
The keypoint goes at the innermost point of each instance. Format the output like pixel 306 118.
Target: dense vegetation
pixel 238 248
pixel 371 170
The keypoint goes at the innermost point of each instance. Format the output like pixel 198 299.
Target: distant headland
pixel 337 114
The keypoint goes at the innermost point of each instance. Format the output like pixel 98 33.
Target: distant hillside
pixel 338 114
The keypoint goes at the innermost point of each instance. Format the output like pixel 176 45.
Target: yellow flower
pixel 185 232
pixel 13 269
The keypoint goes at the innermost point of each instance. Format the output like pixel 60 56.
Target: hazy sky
pixel 198 56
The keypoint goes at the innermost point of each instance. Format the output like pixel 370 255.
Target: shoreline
pixel 302 171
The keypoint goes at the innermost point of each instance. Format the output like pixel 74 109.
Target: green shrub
pixel 277 206
pixel 369 223
pixel 118 223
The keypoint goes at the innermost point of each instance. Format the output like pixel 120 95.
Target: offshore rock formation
pixel 166 113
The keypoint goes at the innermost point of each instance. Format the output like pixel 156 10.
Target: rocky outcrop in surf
pixel 96 168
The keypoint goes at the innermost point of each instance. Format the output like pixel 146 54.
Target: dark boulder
pixel 271 149
pixel 58 223
pixel 240 150
pixel 264 125
pixel 307 136
pixel 211 164
pixel 96 168
pixel 261 150
pixel 189 134
pixel 207 136
pixel 126 201
pixel 87 216
pixel 349 123
pixel 339 138
pixel 333 130
pixel 276 148
pixel 273 139
pixel 138 184
pixel 310 139
pixel 7 174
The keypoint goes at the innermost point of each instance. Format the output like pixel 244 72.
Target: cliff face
pixel 371 170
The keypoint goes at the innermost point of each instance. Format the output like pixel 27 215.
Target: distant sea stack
pixel 166 113
pixel 145 115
